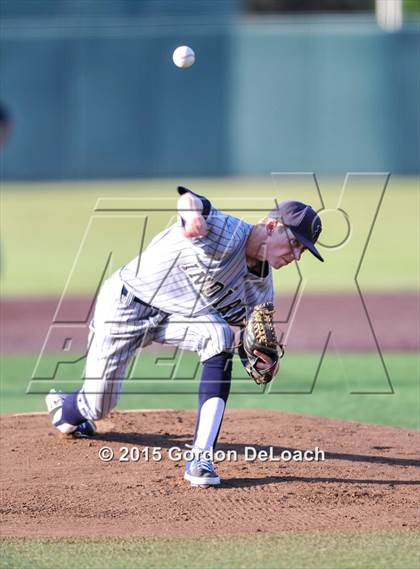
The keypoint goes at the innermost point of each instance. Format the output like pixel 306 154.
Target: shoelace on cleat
pixel 205 464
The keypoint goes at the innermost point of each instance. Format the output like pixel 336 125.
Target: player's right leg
pixel 55 401
pixel 120 326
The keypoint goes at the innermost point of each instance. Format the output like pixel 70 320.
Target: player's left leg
pixel 213 393
pixel 211 337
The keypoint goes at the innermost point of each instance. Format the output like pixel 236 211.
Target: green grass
pixel 348 386
pixel 50 238
pixel 320 550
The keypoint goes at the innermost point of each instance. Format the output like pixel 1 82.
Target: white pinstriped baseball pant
pixel 120 326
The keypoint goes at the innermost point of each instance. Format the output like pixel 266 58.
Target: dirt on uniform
pixel 54 486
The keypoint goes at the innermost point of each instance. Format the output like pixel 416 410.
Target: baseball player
pixel 195 281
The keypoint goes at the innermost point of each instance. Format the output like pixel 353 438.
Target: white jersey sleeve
pixel 225 232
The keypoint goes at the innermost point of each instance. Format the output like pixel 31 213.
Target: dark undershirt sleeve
pixel 261 270
pixel 204 201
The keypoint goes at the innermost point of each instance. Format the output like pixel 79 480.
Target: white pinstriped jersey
pixel 198 276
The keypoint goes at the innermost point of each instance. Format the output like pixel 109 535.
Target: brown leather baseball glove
pixel 259 337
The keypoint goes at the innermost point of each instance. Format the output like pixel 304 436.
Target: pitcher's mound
pixel 59 487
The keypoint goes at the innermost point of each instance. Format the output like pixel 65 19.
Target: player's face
pixel 283 248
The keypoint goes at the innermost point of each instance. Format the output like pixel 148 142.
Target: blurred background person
pixel 5 124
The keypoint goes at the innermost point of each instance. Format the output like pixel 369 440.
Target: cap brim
pixel 308 244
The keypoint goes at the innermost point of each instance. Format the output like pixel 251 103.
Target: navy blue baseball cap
pixel 303 222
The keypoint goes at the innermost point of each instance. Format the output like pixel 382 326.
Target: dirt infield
pixel 58 487
pixel 305 322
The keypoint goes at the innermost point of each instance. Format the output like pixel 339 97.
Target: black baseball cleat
pixel 85 430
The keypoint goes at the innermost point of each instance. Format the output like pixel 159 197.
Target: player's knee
pixel 219 340
pixel 97 414
pixel 225 338
pixel 93 407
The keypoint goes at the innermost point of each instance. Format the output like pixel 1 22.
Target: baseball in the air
pixel 183 56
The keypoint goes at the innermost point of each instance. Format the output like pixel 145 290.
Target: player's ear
pixel 270 225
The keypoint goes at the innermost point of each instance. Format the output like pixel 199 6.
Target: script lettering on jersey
pixel 211 289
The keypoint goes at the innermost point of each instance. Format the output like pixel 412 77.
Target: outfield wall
pixel 100 98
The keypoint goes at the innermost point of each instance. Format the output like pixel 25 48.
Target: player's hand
pixel 195 227
pixel 266 362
